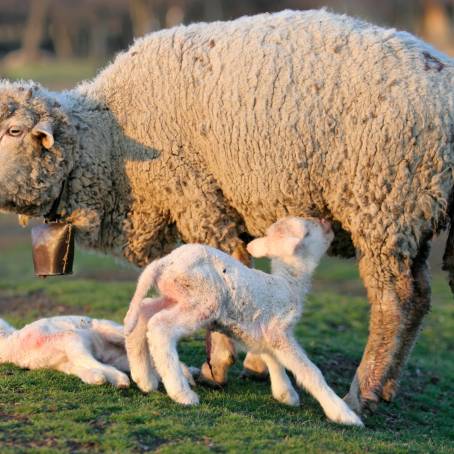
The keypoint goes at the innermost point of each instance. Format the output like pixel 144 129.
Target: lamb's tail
pixel 111 331
pixel 448 256
pixel 147 280
pixel 5 328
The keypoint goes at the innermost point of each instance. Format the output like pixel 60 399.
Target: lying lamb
pixel 89 348
pixel 201 286
pixel 93 350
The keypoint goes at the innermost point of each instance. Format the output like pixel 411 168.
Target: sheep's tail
pixel 5 328
pixel 448 256
pixel 147 280
pixel 110 331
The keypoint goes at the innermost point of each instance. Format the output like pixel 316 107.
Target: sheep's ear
pixel 288 245
pixel 258 248
pixel 44 131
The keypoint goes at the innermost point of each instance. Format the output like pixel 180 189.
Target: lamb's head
pixel 308 239
pixel 36 148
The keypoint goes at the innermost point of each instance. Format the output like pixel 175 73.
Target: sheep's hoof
pixel 361 405
pixel 389 390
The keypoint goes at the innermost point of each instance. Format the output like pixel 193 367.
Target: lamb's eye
pixel 14 131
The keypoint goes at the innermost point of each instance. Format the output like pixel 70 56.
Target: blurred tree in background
pixel 36 30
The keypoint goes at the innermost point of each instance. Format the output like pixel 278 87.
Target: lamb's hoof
pixel 289 397
pixel 186 398
pixel 206 378
pixel 94 377
pixel 346 417
pixel 119 380
pixel 248 374
pixel 146 383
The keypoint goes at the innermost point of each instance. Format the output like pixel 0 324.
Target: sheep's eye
pixel 14 131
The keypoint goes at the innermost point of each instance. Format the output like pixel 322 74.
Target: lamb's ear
pixel 44 131
pixel 258 248
pixel 288 246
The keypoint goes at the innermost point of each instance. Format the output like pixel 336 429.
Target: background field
pixel 44 411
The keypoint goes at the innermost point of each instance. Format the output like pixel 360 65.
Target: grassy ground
pixel 44 411
pixel 48 411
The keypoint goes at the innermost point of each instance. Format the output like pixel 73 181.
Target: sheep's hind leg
pixel 164 331
pixel 281 386
pixel 292 357
pixel 140 362
pixel 391 330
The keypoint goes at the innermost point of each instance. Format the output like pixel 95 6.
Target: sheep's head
pixel 36 148
pixel 292 236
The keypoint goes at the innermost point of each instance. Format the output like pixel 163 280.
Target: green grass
pixel 45 411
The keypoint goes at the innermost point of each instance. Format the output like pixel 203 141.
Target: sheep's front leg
pixel 281 386
pixel 292 357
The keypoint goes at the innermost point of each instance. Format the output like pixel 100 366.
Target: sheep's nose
pixel 326 225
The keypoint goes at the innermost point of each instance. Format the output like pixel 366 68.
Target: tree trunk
pixel 142 17
pixel 35 29
pixel 436 25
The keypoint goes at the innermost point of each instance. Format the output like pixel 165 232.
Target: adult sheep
pixel 208 132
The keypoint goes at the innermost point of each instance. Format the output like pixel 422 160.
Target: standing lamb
pixel 202 286
pixel 211 132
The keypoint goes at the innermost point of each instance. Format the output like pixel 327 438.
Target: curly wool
pixel 294 113
pixel 205 131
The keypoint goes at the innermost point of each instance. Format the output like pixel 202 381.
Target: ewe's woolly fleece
pixel 201 132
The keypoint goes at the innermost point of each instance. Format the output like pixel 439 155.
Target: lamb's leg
pixel 281 386
pixel 416 311
pixel 221 351
pixel 254 366
pixel 292 357
pixel 164 331
pixel 140 362
pixel 81 359
pixel 392 328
